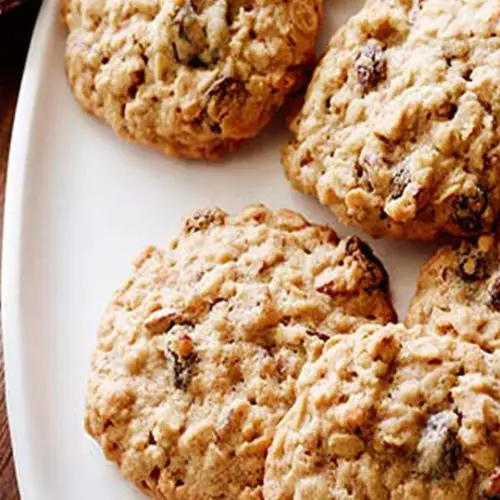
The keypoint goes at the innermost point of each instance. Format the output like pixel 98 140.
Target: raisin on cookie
pixel 400 129
pixel 390 413
pixel 198 353
pixel 459 292
pixel 192 78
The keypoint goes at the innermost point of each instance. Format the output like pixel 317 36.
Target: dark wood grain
pixel 15 32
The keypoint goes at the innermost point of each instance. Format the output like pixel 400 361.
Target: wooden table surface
pixel 15 32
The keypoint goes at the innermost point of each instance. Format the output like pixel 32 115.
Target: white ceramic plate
pixel 80 205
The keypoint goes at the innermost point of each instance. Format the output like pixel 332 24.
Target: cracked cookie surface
pixel 400 128
pixel 390 413
pixel 192 78
pixel 458 291
pixel 198 353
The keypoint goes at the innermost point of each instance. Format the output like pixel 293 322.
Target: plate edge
pixel 19 153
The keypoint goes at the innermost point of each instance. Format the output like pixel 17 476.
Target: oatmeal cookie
pixel 400 130
pixel 198 353
pixel 459 292
pixel 390 413
pixel 190 77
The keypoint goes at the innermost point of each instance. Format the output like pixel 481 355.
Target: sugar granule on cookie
pixel 192 78
pixel 198 353
pixel 399 133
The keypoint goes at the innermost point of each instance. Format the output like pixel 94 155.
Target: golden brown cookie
pixel 198 353
pixel 399 133
pixel 389 413
pixel 459 292
pixel 192 78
